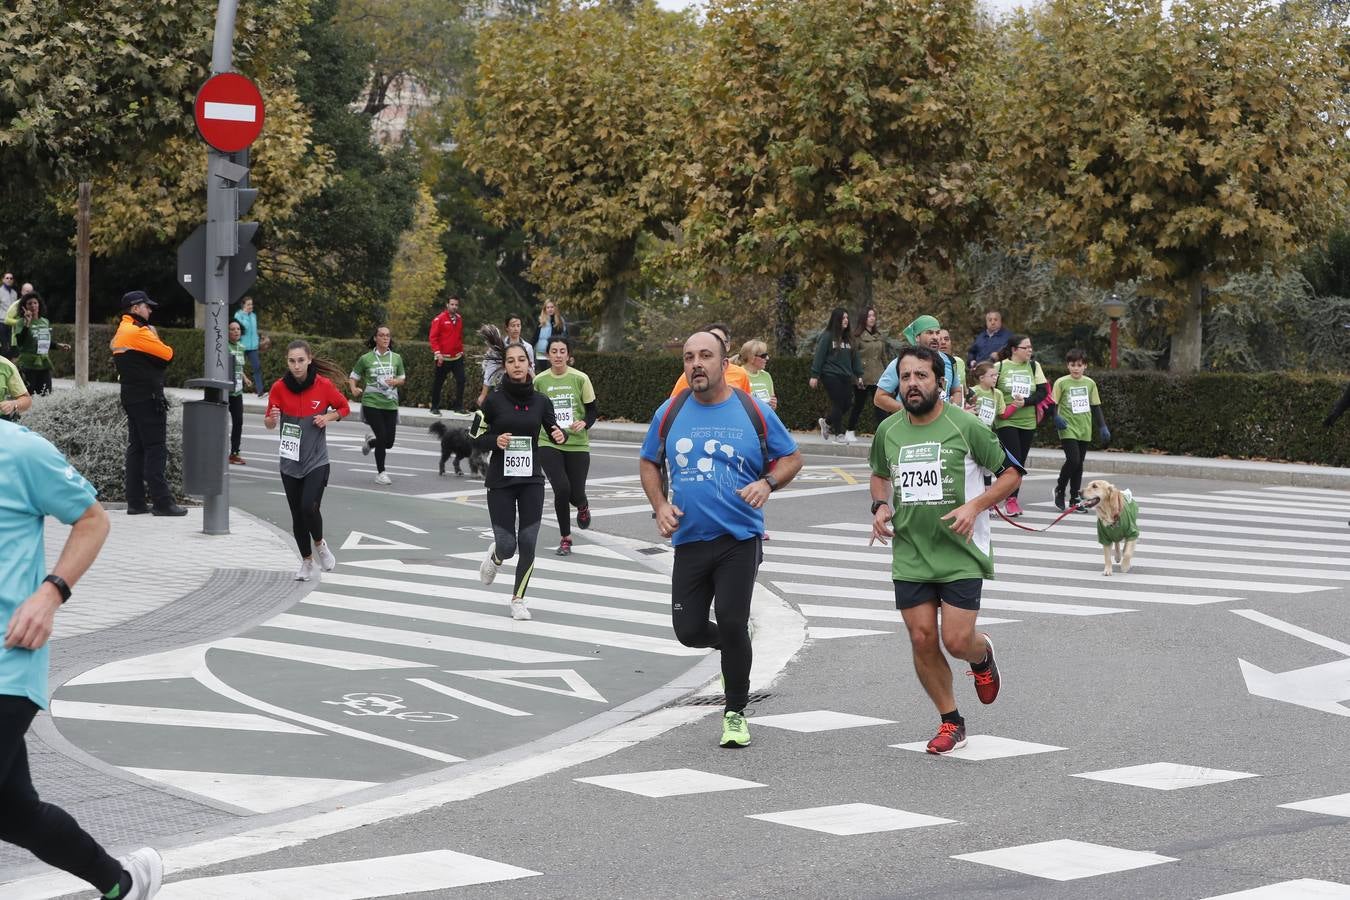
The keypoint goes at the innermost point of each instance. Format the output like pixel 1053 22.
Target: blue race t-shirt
pixel 712 452
pixel 36 481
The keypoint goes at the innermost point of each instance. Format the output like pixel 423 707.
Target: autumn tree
pixel 573 120
pixel 417 282
pixel 1174 146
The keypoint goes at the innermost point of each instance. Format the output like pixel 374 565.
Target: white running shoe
pixel 306 570
pixel 839 439
pixel 367 445
pixel 824 429
pixel 850 437
pixel 146 870
pixel 383 478
pixel 327 561
pixel 487 569
pixel 518 610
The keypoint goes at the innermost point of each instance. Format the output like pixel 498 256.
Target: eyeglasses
pixel 761 356
pixel 1025 347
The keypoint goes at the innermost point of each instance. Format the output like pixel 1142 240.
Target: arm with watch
pixel 757 492
pixel 31 624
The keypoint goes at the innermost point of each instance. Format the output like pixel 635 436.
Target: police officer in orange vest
pixel 141 359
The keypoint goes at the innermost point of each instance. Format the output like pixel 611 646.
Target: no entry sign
pixel 229 112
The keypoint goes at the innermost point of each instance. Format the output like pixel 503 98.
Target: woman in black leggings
pixel 838 366
pixel 509 423
pixel 1023 384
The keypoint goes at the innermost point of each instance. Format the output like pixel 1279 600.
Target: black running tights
pixel 384 423
pixel 48 832
pixel 236 422
pixel 304 496
pixel 1017 441
pixel 717 574
pixel 1071 473
pixel 504 504
pixel 566 471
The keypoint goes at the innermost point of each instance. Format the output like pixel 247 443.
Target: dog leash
pixel 1072 509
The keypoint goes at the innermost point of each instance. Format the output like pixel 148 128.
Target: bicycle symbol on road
pixel 368 704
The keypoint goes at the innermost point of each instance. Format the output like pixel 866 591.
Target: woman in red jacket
pixel 303 403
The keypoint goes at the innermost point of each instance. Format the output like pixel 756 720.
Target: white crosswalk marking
pixel 537 583
pixel 177 718
pixel 404 638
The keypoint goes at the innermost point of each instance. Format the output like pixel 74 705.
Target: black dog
pixel 457 443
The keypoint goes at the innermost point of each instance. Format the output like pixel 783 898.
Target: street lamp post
pixel 1114 307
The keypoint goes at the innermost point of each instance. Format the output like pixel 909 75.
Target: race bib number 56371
pixel 918 473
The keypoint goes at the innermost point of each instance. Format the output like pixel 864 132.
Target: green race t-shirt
pixel 1019 380
pixel 237 354
pixel 34 343
pixel 761 385
pixel 374 370
pixel 989 405
pixel 570 392
pixel 1075 398
pixel 933 469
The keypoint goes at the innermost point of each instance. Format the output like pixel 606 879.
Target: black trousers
pixel 39 381
pixel 718 574
pixel 1071 473
pixel 147 451
pixel 840 390
pixel 304 496
pixel 236 422
pixel 48 832
pixel 1017 441
pixel 504 504
pixel 448 367
pixel 384 423
pixel 566 471
pixel 862 399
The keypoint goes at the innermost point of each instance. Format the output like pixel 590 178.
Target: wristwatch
pixel 61 587
pixel 773 483
pixel 878 504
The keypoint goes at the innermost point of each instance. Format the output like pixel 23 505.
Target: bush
pixel 89 427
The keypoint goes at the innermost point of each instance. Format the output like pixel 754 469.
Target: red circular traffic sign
pixel 229 112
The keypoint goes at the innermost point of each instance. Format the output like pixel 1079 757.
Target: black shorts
pixel 963 594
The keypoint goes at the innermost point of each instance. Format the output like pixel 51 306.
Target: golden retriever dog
pixel 1117 522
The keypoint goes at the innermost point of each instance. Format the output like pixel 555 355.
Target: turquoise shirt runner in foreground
pixel 36 481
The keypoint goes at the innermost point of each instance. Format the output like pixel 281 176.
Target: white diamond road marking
pixel 357 879
pixel 818 720
pixel 1338 805
pixel 851 818
pixel 1165 776
pixel 1065 860
pixel 256 793
pixel 981 747
pixel 1302 889
pixel 669 782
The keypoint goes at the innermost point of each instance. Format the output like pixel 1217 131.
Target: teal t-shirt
pixel 373 370
pixel 761 384
pixel 569 393
pixel 36 481
pixel 1075 398
pixel 1019 380
pixel 237 354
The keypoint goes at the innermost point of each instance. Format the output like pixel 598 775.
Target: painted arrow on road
pixel 1322 687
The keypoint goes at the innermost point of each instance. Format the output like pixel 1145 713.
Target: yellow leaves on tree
pixel 418 276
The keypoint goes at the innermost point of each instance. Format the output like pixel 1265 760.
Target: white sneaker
pixel 383 478
pixel 518 610
pixel 327 561
pixel 850 437
pixel 487 569
pixel 146 870
pixel 306 570
pixel 840 439
pixel 824 429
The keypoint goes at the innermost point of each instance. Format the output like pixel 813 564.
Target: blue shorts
pixel 963 593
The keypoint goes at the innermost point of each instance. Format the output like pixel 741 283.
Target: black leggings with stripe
pixel 504 504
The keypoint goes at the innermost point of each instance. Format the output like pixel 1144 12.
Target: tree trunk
pixel 82 285
pixel 1188 337
pixel 784 316
pixel 858 284
pixel 615 310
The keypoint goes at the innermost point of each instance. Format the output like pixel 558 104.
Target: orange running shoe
pixel 949 737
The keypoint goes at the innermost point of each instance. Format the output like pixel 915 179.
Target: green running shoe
pixel 735 733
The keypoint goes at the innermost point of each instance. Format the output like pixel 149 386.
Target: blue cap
pixel 131 298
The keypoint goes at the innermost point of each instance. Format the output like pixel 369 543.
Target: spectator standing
pixel 8 296
pixel 989 344
pixel 37 481
pixel 248 320
pixel 33 341
pixel 447 344
pixel 1023 383
pixel 551 324
pixel 874 349
pixel 754 356
pixel 241 380
pixel 141 359
pixel 838 366
pixel 14 396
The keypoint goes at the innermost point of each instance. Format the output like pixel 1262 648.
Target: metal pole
pixel 1115 336
pixel 82 286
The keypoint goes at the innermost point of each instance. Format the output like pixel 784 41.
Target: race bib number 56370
pixel 518 461
pixel 918 473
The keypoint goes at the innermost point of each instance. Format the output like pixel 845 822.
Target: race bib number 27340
pixel 918 473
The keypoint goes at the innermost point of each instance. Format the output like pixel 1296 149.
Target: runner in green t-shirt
pixel 754 356
pixel 928 465
pixel 567 465
pixel 376 378
pixel 239 362
pixel 33 340
pixel 1078 407
pixel 1023 384
pixel 14 396
pixel 987 402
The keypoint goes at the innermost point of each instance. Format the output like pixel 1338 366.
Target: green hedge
pixel 1240 415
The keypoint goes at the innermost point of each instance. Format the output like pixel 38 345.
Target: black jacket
pixel 501 414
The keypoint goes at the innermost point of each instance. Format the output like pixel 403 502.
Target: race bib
pixel 562 411
pixel 985 410
pixel 918 473
pixel 44 340
pixel 290 441
pixel 1019 385
pixel 238 380
pixel 518 462
pixel 762 394
pixel 1079 400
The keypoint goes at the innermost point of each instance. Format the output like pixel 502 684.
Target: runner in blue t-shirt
pixel 36 481
pixel 719 482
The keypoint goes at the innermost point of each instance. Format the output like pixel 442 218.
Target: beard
pixel 921 405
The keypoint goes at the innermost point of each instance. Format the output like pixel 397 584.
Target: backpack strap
pixel 761 428
pixel 667 422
